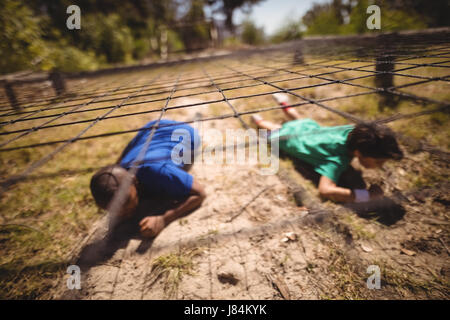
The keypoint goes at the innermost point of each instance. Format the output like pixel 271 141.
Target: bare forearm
pixel 328 189
pixel 339 194
pixel 186 207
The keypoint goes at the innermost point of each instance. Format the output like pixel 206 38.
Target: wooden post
pixel 385 79
pixel 298 55
pixel 11 94
pixel 58 82
pixel 164 51
pixel 214 34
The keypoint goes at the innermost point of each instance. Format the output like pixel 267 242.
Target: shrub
pixel 251 34
pixel 70 59
pixel 108 36
pixel 291 30
pixel 20 38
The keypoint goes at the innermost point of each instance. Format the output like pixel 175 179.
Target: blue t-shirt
pixel 160 171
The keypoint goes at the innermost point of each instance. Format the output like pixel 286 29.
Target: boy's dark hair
pixel 374 141
pixel 105 182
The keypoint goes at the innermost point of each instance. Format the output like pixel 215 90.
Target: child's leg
pixel 282 100
pixel 292 113
pixel 264 124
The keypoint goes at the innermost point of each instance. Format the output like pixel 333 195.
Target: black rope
pixel 81 97
pixel 17 178
pixel 319 65
pixel 236 113
pixel 162 92
pixel 298 78
pixel 33 129
pixel 256 73
pixel 226 116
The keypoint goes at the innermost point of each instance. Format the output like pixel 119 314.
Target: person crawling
pixel 158 176
pixel 331 149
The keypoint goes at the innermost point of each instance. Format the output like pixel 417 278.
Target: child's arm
pixel 329 189
pixel 153 225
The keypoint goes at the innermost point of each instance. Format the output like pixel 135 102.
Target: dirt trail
pixel 245 258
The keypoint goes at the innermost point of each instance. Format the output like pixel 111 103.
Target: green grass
pixel 172 268
pixel 404 283
pixel 348 282
pixel 357 227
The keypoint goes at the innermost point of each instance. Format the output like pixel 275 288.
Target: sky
pixel 270 14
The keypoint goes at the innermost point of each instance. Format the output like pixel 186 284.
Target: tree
pixel 228 7
pixel 20 37
pixel 434 13
pixel 349 17
pixel 251 34
pixel 322 19
pixel 290 30
pixel 193 28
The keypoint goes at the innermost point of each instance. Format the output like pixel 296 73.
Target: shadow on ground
pixel 103 249
pixel 385 210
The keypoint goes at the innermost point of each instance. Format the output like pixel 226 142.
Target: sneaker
pixel 281 98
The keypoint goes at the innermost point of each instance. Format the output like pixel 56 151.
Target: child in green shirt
pixel 330 149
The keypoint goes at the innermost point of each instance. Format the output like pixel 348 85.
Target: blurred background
pixel 35 36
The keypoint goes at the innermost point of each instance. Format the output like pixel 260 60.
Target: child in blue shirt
pixel 159 175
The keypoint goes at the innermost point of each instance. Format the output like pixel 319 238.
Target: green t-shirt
pixel 322 147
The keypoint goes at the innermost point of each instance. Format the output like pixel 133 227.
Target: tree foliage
pixel 20 36
pixel 34 33
pixel 251 34
pixel 228 7
pixel 290 30
pixel 349 17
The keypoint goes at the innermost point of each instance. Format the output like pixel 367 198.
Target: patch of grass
pixel 213 232
pixel 349 283
pixel 42 220
pixel 428 174
pixel 31 281
pixel 172 267
pixel 432 129
pixel 403 283
pixel 210 233
pixel 357 228
pixel 366 107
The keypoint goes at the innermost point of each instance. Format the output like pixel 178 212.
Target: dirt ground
pixel 271 237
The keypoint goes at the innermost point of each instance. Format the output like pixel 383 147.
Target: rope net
pixel 404 76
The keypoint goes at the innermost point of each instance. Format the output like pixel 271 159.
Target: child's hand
pixel 152 226
pixel 375 192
